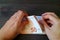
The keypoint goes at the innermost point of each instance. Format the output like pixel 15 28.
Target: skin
pixel 52 32
pixel 15 25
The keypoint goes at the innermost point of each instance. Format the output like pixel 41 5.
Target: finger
pixel 8 24
pixel 45 24
pixel 23 16
pixel 15 18
pixel 50 22
pixel 22 26
pixel 50 17
pixel 25 13
pixel 23 23
pixel 51 13
pixel 12 18
pixel 40 22
pixel 47 30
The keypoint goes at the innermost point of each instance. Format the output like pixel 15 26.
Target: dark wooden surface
pixel 31 37
pixel 32 7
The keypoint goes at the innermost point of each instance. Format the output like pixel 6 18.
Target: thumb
pixel 47 30
pixel 46 27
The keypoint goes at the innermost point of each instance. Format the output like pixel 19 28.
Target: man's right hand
pixel 53 31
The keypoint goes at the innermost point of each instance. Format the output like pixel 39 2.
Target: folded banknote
pixel 33 27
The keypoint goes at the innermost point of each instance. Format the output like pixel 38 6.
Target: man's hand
pixel 13 26
pixel 53 30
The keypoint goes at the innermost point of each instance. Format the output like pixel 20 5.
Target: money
pixel 33 27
